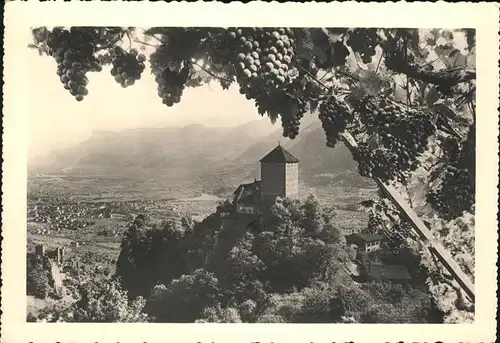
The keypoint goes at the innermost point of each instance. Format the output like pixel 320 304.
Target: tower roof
pixel 279 155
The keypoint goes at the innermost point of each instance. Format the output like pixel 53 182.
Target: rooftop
pixel 248 187
pixel 388 272
pixel 368 237
pixel 247 193
pixel 279 155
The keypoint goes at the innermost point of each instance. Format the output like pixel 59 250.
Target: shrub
pixel 38 277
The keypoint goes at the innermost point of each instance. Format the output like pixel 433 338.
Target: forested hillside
pixel 294 267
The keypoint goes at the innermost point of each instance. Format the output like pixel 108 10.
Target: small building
pixel 247 198
pixel 387 273
pixel 365 242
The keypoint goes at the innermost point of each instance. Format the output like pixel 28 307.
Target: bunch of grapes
pixel 451 148
pixel 364 41
pixel 377 162
pixel 171 84
pixel 456 192
pixel 73 50
pixel 263 53
pixel 277 104
pixel 127 66
pixel 290 118
pixel 403 135
pixel 334 115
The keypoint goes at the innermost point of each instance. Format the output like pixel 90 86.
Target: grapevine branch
pixel 137 40
pixel 313 77
pixel 444 79
pixel 210 73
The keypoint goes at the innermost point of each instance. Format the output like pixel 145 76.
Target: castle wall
pixel 292 180
pixel 273 181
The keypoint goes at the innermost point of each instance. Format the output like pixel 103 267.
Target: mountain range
pixel 210 157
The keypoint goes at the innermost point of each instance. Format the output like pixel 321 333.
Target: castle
pixel 279 172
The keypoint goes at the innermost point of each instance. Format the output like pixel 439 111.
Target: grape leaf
pixel 459 118
pixel 451 56
pixel 371 82
pixel 334 34
pixel 352 62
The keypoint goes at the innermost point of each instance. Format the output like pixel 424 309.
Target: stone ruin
pixel 56 254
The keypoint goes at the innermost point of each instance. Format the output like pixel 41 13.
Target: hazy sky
pixel 57 119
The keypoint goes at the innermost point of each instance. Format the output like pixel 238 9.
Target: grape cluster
pixel 456 192
pixel 334 115
pixel 278 104
pixel 290 119
pixel 403 135
pixel 171 84
pixel 263 62
pixel 376 162
pixel 451 148
pixel 73 50
pixel 262 53
pixel 364 41
pixel 127 66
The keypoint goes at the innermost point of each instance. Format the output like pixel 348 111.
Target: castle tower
pixel 279 172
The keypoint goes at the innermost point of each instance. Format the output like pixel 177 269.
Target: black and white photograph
pixel 240 174
pixel 233 196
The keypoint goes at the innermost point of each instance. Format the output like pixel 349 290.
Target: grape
pixel 403 135
pixel 364 41
pixel 73 50
pixel 334 116
pixel 456 192
pixel 171 85
pixel 127 66
pixel 290 119
pixel 263 56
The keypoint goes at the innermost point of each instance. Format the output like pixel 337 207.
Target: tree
pixel 147 254
pixel 38 278
pixel 382 303
pixel 407 113
pixel 107 302
pixel 185 299
pixel 97 300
